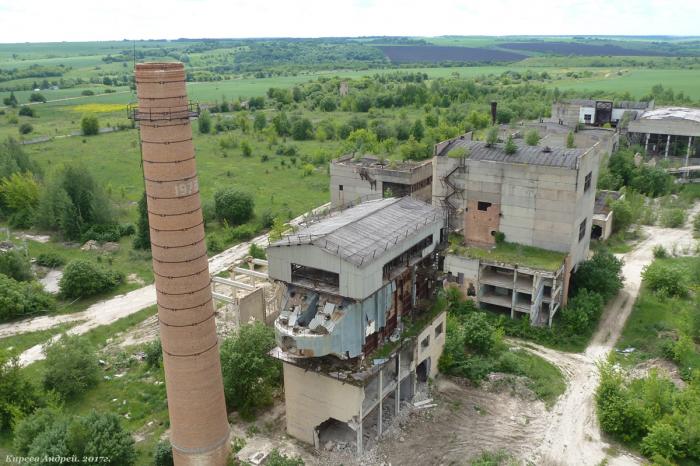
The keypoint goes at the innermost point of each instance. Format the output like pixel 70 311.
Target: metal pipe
pixel 199 429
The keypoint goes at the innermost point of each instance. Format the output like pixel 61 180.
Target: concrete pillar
pixel 381 401
pixel 359 435
pixel 668 144
pixel 199 429
pixel 646 144
pixel 398 383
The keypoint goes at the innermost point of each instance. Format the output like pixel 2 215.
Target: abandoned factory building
pixel 576 112
pixel 668 131
pixel 355 180
pixel 358 331
pixel 523 221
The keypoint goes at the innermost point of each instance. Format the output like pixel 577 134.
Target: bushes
pixel 26 111
pixel 142 240
pixel 673 217
pixel 71 366
pixel 82 278
pixel 163 454
pixel 153 353
pixel 602 274
pixel 250 375
pixel 235 207
pixel 532 138
pixel 257 252
pixel 479 335
pixel 51 433
pixel 582 311
pixel 18 397
pixel 20 299
pixel 25 128
pixel 666 279
pixel 15 264
pixel 204 122
pixel 90 125
pixel 50 259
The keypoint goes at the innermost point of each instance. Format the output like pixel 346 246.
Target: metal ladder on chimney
pixel 452 190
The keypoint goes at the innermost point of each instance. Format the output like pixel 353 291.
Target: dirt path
pixel 572 435
pixel 109 311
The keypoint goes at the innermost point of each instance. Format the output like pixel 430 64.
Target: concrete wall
pixel 311 398
pixel 667 126
pixel 436 343
pixel 566 112
pixel 480 224
pixel 252 307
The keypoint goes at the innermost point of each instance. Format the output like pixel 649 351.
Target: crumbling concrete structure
pixel 355 180
pixel 577 112
pixel 603 214
pixel 524 218
pixel 358 332
pixel 198 422
pixel 668 131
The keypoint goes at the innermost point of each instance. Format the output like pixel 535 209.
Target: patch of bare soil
pixel 665 368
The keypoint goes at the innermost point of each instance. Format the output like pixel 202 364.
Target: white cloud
pixel 72 20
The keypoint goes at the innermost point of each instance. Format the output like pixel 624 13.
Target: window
pixel 582 230
pixel 438 330
pixel 340 187
pixel 587 118
pixel 483 206
pixel 587 183
pixel 426 342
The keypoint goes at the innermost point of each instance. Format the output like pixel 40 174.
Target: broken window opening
pixel 340 187
pixel 483 206
pixel 587 182
pixel 582 230
pixel 423 370
pixel 438 330
pixel 318 277
pixel 336 432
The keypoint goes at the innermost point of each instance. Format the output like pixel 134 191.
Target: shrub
pixel 602 274
pixel 82 278
pixel 673 217
pixel 666 279
pixel 15 264
pixel 214 245
pixel 163 454
pixel 233 206
pixel 26 111
pixel 663 439
pixel 660 252
pixel 87 92
pixel 256 251
pixel 142 240
pixel 71 366
pixel 18 397
pixel 90 125
pixel 19 299
pixel 50 259
pixel 582 311
pixel 242 232
pixel 250 375
pixel 246 150
pixel 532 138
pixel 492 136
pixel 25 128
pixel 204 122
pixel 278 459
pixel 479 334
pixel 154 353
pixel 37 97
pixel 511 148
pixel 570 140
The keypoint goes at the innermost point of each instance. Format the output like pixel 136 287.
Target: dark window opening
pixel 471 291
pixel 340 187
pixel 422 370
pixel 483 206
pixel 587 183
pixel 403 259
pixel 587 118
pixel 425 343
pixel 582 230
pixel 317 277
pixel 438 330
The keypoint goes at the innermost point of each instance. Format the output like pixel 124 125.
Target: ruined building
pixel 199 429
pixel 355 180
pixel 668 131
pixel 358 331
pixel 576 112
pixel 523 221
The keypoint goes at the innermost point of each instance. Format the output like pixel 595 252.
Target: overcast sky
pixel 87 20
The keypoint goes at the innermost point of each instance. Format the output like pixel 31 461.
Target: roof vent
pixel 546 149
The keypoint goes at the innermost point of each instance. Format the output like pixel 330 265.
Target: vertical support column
pixel 668 145
pixel 199 429
pixel 381 401
pixel 359 435
pixel 687 154
pixel 646 144
pixel 398 383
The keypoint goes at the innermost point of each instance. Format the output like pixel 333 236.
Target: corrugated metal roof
pixel 361 233
pixel 675 113
pixel 532 155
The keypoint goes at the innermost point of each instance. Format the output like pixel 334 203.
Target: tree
pixel 663 439
pixel 279 227
pixel 71 366
pixel 570 140
pixel 10 101
pixel 532 138
pixel 18 299
pixel 492 137
pixel 204 122
pixel 302 129
pixel 667 280
pixel 142 240
pixel 417 130
pixel 19 195
pixel 250 375
pixel 281 124
pixel 602 274
pixel 27 111
pixel 510 148
pixel 260 122
pixel 361 141
pixel 623 216
pixel 37 97
pixel 90 125
pixel 414 150
pixel 82 278
pixel 235 207
pixel 18 397
pixel 479 334
pixel 163 454
pixel 15 264
pixel 327 104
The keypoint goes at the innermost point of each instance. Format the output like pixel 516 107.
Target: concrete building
pixel 357 332
pixel 603 214
pixel 524 220
pixel 358 180
pixel 668 131
pixel 577 112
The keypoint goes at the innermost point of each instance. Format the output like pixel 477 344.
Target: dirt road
pixel 572 436
pixel 109 311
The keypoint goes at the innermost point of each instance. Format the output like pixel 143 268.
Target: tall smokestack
pixel 494 105
pixel 199 429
